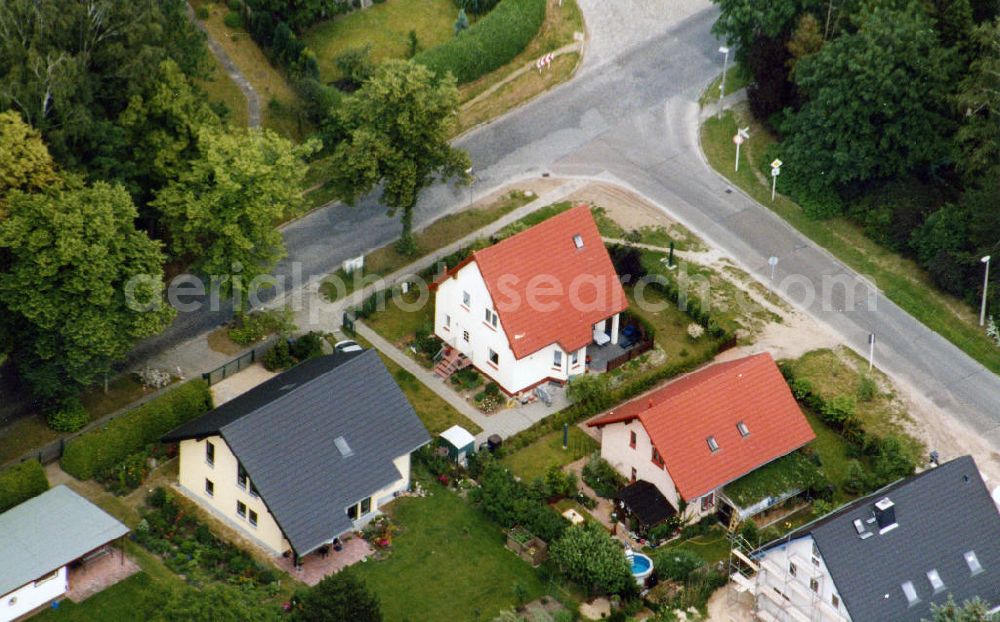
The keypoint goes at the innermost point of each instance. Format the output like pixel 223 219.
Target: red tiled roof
pixel 680 417
pixel 574 288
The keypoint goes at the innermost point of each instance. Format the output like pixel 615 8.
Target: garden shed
pixel 459 442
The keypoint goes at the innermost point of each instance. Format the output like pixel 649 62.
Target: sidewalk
pixel 506 422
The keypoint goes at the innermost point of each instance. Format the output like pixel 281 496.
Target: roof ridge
pixel 347 362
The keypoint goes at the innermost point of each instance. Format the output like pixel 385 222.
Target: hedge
pixel 20 483
pixel 102 448
pixel 489 44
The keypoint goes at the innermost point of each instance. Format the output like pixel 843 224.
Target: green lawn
pixel 385 26
pixel 832 450
pixel 442 232
pixel 670 324
pixel 900 279
pixel 736 78
pixel 397 324
pixel 137 598
pixel 712 547
pixel 660 236
pixel 447 563
pixel 220 88
pixel 537 458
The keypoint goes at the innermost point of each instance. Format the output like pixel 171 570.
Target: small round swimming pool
pixel 642 567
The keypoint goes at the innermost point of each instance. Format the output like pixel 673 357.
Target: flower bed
pixel 125 476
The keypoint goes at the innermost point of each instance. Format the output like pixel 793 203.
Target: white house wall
pixel 452 319
pixel 33 595
pixel 385 495
pixel 616 449
pixel 788 597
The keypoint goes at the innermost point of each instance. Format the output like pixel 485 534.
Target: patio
pixel 98 574
pixel 314 566
pixel 598 356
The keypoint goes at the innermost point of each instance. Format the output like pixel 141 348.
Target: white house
pixel 525 310
pixel 692 436
pixel 39 539
pixel 307 456
pixel 887 556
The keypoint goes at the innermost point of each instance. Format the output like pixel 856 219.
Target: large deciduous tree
pixel 79 285
pixel 975 610
pixel 341 596
pixel 395 132
pixel 592 558
pixel 978 98
pixel 877 101
pixel 25 163
pixel 221 213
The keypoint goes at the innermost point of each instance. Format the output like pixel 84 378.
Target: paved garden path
pixel 253 101
pixel 506 422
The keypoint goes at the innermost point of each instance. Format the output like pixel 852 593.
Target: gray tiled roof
pixel 942 513
pixel 286 441
pixel 49 531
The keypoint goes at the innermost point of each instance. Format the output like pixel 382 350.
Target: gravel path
pixel 253 101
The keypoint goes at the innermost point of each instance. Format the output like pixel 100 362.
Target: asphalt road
pixel 632 117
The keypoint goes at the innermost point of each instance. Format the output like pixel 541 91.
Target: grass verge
pixel 900 279
pixel 736 79
pixel 221 88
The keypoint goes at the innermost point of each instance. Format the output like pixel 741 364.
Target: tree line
pixel 888 112
pixel 115 169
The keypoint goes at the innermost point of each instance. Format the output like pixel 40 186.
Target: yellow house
pixel 305 457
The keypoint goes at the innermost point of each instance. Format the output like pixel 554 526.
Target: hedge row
pixel 20 483
pixel 102 448
pixel 489 44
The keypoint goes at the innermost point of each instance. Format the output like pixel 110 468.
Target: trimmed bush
pixel 69 416
pixel 233 20
pixel 489 44
pixel 101 449
pixel 20 483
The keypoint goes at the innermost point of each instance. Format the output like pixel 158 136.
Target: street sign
pixel 738 139
pixel 777 163
pixel 775 172
pixel 772 260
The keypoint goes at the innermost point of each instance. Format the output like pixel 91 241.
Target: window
pixel 241 509
pixel 708 502
pixel 974 566
pixel 635 475
pixel 493 356
pixel 466 299
pixel 253 491
pixel 712 444
pixel 631 439
pixel 835 601
pixel 47 578
pixel 574 359
pixel 491 318
pixel 209 488
pixel 792 569
pixel 657 460
pixel 814 585
pixel 253 518
pixel 352 512
pixel 12 601
pixel 578 240
pixel 465 336
pixel 447 321
pixel 366 505
pixel 935 579
pixel 241 476
pixel 815 554
pixel 557 359
pixel 210 453
pixel 911 593
pixel 744 430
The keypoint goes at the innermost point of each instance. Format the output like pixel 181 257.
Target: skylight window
pixel 744 430
pixel 911 593
pixel 578 241
pixel 935 579
pixel 712 444
pixel 974 566
pixel 343 447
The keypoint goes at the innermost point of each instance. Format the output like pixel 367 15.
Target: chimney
pixel 885 515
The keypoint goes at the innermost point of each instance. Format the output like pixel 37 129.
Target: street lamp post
pixel 775 171
pixel 722 85
pixel 986 282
